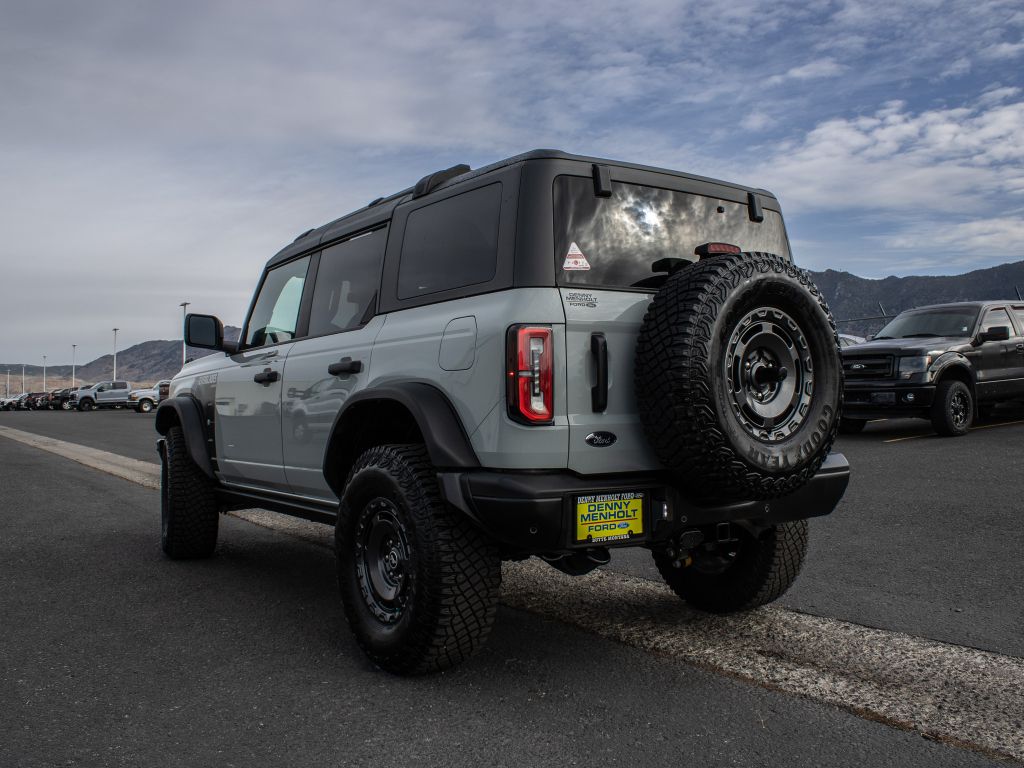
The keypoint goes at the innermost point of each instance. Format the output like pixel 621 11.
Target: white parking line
pixel 958 695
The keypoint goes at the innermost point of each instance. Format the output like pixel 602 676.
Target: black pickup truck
pixel 948 363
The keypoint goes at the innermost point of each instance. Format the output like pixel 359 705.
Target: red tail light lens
pixel 529 374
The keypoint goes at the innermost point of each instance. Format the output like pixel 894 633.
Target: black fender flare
pixel 949 360
pixel 445 439
pixel 186 411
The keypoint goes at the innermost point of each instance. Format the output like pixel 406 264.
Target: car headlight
pixel 911 365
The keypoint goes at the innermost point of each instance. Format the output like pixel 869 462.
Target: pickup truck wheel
pixel 65 405
pixel 189 511
pixel 145 406
pixel 86 405
pixel 953 408
pixel 738 376
pixel 852 426
pixel 739 575
pixel 418 582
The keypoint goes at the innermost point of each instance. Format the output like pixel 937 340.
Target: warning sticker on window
pixel 575 261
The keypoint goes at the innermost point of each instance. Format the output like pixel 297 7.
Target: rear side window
pixel 120 385
pixel 452 243
pixel 346 283
pixel 276 312
pixel 613 241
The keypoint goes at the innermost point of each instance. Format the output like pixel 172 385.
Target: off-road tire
pixel 852 426
pixel 189 512
pixel 451 575
pixel 950 396
pixel 686 396
pixel 86 405
pixel 145 406
pixel 764 568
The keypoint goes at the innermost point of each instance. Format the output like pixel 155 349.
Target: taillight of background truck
pixel 529 374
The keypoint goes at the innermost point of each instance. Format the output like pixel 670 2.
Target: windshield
pixel 935 322
pixel 614 241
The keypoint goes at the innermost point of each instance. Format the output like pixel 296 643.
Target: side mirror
pixel 869 337
pixel 207 332
pixel 995 333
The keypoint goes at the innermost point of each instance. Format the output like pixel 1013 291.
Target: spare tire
pixel 738 377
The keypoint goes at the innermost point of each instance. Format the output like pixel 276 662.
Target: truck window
pixel 995 318
pixel 612 241
pixel 346 283
pixel 451 243
pixel 276 312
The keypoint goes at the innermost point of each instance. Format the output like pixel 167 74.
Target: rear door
pixel 605 249
pixel 334 361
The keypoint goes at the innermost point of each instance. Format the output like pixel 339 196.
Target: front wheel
pixel 85 405
pixel 750 571
pixel 418 582
pixel 189 513
pixel 145 406
pixel 953 408
pixel 65 405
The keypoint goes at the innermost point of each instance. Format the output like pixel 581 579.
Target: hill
pixel 850 296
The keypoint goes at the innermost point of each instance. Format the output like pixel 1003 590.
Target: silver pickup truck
pixel 105 394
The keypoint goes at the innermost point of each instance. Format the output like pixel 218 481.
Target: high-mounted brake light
pixel 530 375
pixel 715 249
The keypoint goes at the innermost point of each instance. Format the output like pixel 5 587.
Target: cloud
pixel 811 70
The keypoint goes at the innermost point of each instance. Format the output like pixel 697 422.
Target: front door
pixel 248 400
pixel 997 364
pixel 323 370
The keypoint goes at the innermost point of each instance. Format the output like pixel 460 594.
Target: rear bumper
pixel 886 400
pixel 534 512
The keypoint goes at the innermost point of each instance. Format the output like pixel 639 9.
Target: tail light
pixel 530 375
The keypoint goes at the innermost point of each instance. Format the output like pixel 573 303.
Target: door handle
pixel 267 377
pixel 345 366
pixel 599 392
pixel 1020 347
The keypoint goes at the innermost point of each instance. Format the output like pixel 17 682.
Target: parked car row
pixel 88 397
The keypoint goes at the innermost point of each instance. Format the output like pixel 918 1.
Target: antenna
pixel 1019 297
pixel 882 309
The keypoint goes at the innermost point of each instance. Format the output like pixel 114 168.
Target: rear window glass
pixel 613 241
pixel 452 243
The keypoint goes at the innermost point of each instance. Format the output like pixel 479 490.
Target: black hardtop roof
pixel 380 210
pixel 983 304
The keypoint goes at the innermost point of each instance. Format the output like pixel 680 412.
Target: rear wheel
pixel 953 408
pixel 418 582
pixel 739 575
pixel 188 504
pixel 738 376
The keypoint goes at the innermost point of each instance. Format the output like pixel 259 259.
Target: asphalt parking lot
pixel 113 655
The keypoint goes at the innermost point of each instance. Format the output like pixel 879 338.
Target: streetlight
pixel 44 373
pixel 7 390
pixel 73 348
pixel 184 311
pixel 115 353
pixel 23 377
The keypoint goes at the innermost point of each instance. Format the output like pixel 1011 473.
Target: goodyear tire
pixel 188 504
pixel 738 376
pixel 953 408
pixel 419 584
pixel 745 574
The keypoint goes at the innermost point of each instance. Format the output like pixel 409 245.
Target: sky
pixel 153 152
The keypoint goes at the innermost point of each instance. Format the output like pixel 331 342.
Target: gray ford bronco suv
pixel 550 356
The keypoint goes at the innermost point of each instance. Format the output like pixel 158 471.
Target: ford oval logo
pixel 858 366
pixel 601 439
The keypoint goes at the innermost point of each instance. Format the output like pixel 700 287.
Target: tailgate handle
pixel 345 366
pixel 599 392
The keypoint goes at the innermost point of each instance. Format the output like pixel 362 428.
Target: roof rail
pixel 429 183
pixel 303 235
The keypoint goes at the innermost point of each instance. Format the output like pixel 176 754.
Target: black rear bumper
pixel 533 512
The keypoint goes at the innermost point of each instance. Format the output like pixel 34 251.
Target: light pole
pixel 22 377
pixel 7 390
pixel 73 348
pixel 44 373
pixel 184 312
pixel 115 354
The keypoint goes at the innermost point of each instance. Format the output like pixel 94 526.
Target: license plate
pixel 605 517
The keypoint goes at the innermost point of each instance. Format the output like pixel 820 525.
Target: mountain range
pixel 855 302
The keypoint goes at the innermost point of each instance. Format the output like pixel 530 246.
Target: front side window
pixel 994 318
pixel 613 241
pixel 452 243
pixel 346 283
pixel 276 312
